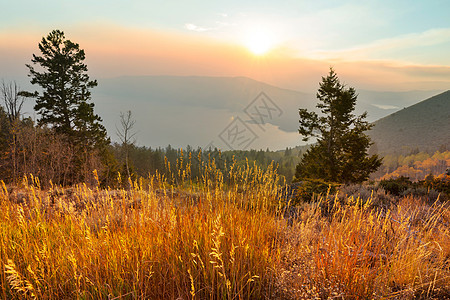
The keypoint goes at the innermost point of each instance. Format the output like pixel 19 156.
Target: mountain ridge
pixel 424 126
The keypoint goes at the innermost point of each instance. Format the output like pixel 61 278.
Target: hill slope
pixel 424 126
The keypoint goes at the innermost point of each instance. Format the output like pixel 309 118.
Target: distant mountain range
pixel 194 110
pixel 424 126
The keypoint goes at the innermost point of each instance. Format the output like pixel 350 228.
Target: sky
pixel 373 45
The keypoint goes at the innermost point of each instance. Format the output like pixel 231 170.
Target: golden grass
pixel 358 252
pixel 210 240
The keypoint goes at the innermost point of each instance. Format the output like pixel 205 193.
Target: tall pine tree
pixel 63 103
pixel 340 153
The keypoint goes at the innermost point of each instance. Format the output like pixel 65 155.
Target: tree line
pixel 416 166
pixel 144 161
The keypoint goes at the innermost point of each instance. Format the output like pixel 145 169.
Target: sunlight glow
pixel 259 39
pixel 259 43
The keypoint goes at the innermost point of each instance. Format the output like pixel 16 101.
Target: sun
pixel 259 43
pixel 259 40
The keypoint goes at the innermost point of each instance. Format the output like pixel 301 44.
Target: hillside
pixel 424 126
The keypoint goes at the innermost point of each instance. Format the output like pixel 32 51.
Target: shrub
pixel 307 189
pixel 439 185
pixel 396 186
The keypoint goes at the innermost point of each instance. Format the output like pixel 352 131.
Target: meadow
pixel 175 238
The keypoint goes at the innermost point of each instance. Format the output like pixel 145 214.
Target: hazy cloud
pixel 399 48
pixel 193 27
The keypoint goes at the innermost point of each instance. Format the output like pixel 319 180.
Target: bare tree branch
pixel 126 125
pixel 126 136
pixel 13 99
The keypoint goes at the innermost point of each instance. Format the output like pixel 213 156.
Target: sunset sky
pixel 373 45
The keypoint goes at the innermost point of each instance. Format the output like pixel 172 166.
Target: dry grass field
pixel 211 240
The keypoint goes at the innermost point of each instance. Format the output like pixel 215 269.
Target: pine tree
pixel 340 154
pixel 64 102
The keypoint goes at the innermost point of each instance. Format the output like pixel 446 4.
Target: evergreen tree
pixel 340 154
pixel 64 102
